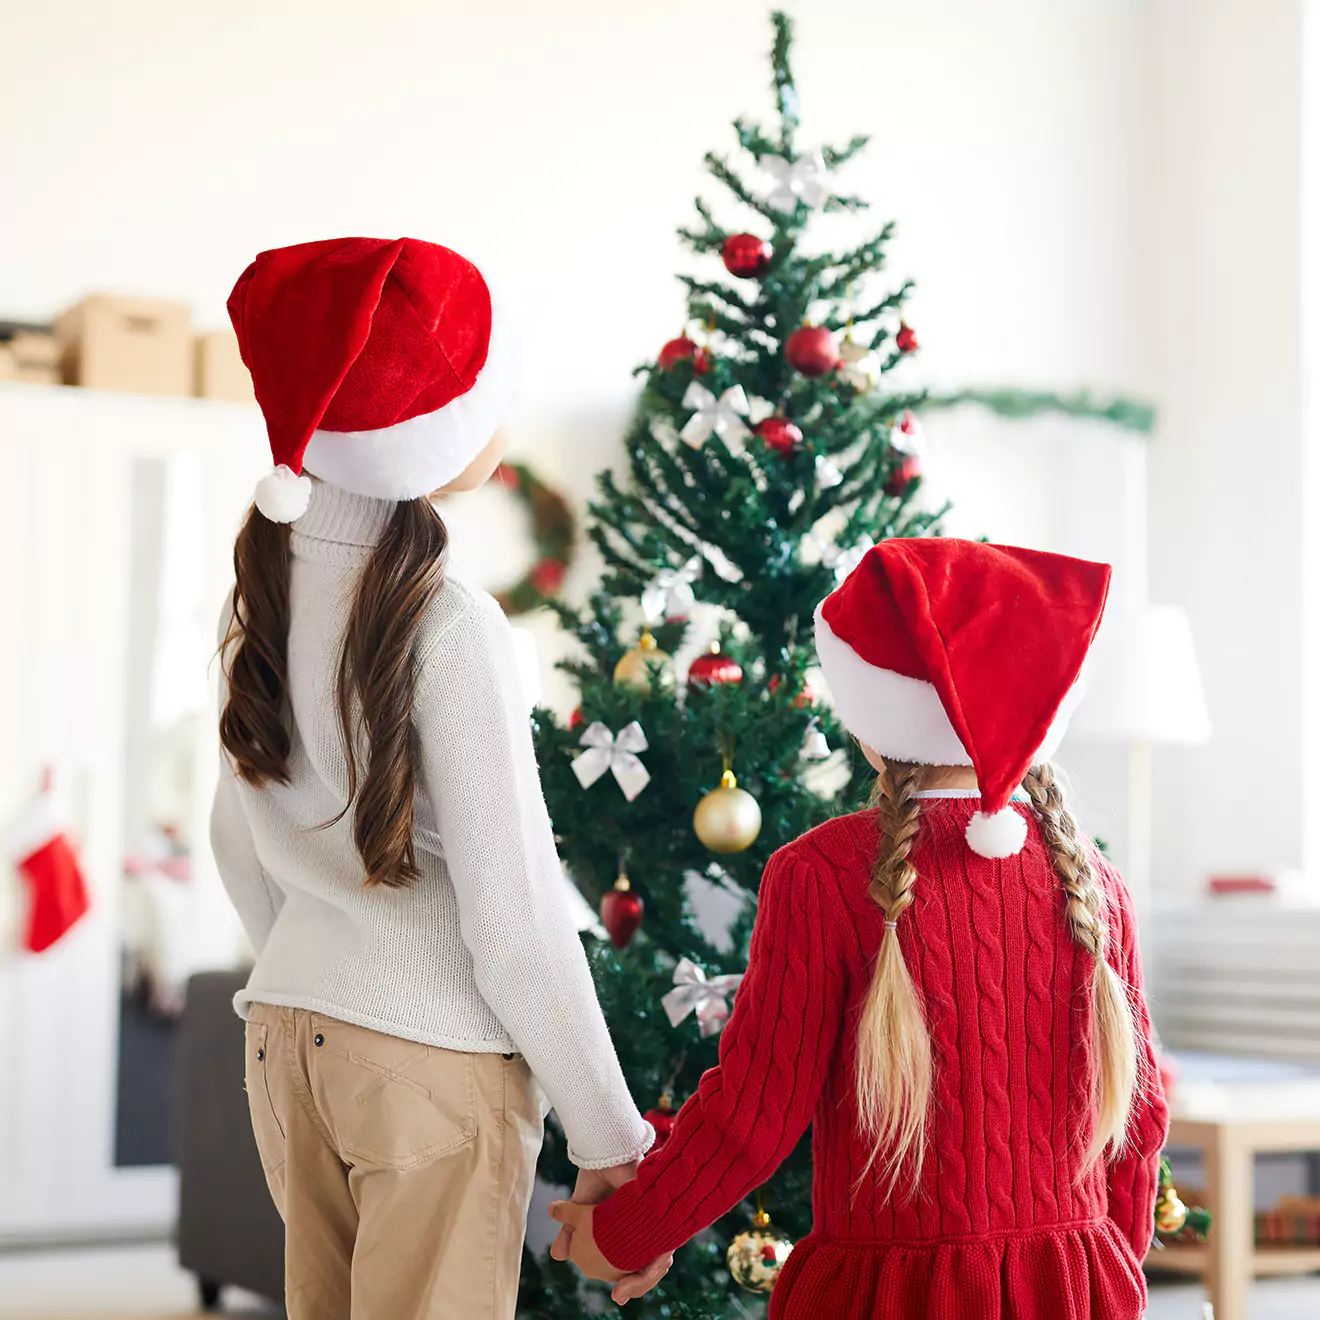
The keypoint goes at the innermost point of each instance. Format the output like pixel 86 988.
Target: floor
pixel 143 1283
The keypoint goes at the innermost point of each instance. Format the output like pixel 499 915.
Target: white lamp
pixel 1146 691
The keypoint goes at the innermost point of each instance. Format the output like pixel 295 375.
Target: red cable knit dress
pixel 1003 1224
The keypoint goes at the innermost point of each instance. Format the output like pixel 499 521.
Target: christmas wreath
pixel 553 532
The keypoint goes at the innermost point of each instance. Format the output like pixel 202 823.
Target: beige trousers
pixel 403 1172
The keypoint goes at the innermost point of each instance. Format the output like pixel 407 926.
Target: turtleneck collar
pixel 338 518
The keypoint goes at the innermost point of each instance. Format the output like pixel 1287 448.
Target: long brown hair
pixel 894 1066
pixel 375 684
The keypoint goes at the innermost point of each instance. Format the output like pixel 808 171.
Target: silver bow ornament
pixel 908 436
pixel 722 417
pixel 827 472
pixel 669 594
pixel 802 181
pixel 606 751
pixel 844 559
pixel 694 992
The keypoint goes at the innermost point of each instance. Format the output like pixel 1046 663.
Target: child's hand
pixel 593 1186
pixel 588 1257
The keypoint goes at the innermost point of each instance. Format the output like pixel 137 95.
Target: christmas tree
pixel 767 452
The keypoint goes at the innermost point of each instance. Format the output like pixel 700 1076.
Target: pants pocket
pixel 266 1125
pixel 395 1103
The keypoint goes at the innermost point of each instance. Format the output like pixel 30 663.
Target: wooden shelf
pixel 1264 1260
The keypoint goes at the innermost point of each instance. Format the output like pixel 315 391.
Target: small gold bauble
pixel 727 819
pixel 644 666
pixel 1170 1212
pixel 755 1258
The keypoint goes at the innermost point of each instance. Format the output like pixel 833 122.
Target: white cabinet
pixel 72 575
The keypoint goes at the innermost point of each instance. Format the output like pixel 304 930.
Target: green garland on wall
pixel 553 531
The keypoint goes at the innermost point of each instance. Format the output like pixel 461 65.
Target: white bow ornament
pixel 669 594
pixel 799 182
pixel 827 472
pixel 843 559
pixel 694 992
pixel 722 417
pixel 606 751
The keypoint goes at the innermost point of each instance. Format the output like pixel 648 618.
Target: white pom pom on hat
pixel 1003 834
pixel 282 495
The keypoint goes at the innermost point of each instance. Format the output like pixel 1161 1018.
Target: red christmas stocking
pixel 44 856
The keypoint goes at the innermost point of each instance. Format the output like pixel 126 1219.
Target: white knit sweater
pixel 481 954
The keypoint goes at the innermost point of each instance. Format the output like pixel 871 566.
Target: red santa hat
pixel 383 366
pixel 946 652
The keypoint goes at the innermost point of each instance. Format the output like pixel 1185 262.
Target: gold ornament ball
pixel 1170 1213
pixel 644 666
pixel 727 819
pixel 756 1257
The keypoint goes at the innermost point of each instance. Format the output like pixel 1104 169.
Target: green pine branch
pixel 1018 405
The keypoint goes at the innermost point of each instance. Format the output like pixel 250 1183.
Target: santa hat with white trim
pixel 383 366
pixel 946 652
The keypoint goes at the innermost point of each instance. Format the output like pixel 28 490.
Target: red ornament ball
pixel 621 912
pixel 575 719
pixel 906 339
pixel 811 350
pixel 548 575
pixel 505 476
pixel 712 668
pixel 662 1118
pixel 803 698
pixel 779 434
pixel 903 476
pixel 683 349
pixel 745 255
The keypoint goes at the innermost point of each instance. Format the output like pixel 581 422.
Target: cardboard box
pixel 35 350
pixel 30 358
pixel 220 373
pixel 136 344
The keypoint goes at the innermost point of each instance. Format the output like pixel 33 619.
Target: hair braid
pixel 1113 1031
pixel 893 1042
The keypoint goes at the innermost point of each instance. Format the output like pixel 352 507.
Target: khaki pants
pixel 403 1172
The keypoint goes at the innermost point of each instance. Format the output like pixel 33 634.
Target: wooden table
pixel 1229 1143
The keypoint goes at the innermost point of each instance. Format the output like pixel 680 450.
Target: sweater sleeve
pixel 479 771
pixel 255 897
pixel 750 1111
pixel 1134 1176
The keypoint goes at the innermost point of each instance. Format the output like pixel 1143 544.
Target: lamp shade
pixel 1147 687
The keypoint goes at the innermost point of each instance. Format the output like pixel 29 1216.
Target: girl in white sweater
pixel 379 822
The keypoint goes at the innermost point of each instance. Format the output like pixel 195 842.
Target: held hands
pixel 577 1243
pixel 588 1257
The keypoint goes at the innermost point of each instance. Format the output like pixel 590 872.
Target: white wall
pixel 1229 472
pixel 173 142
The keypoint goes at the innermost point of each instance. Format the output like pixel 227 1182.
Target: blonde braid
pixel 1113 1031
pixel 893 1042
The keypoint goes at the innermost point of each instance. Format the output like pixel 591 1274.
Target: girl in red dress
pixel 947 986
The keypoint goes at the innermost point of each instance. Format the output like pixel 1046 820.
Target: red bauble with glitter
pixel 548 576
pixel 903 475
pixel 778 433
pixel 662 1118
pixel 906 339
pixel 745 255
pixel 712 668
pixel 683 349
pixel 811 350
pixel 621 912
